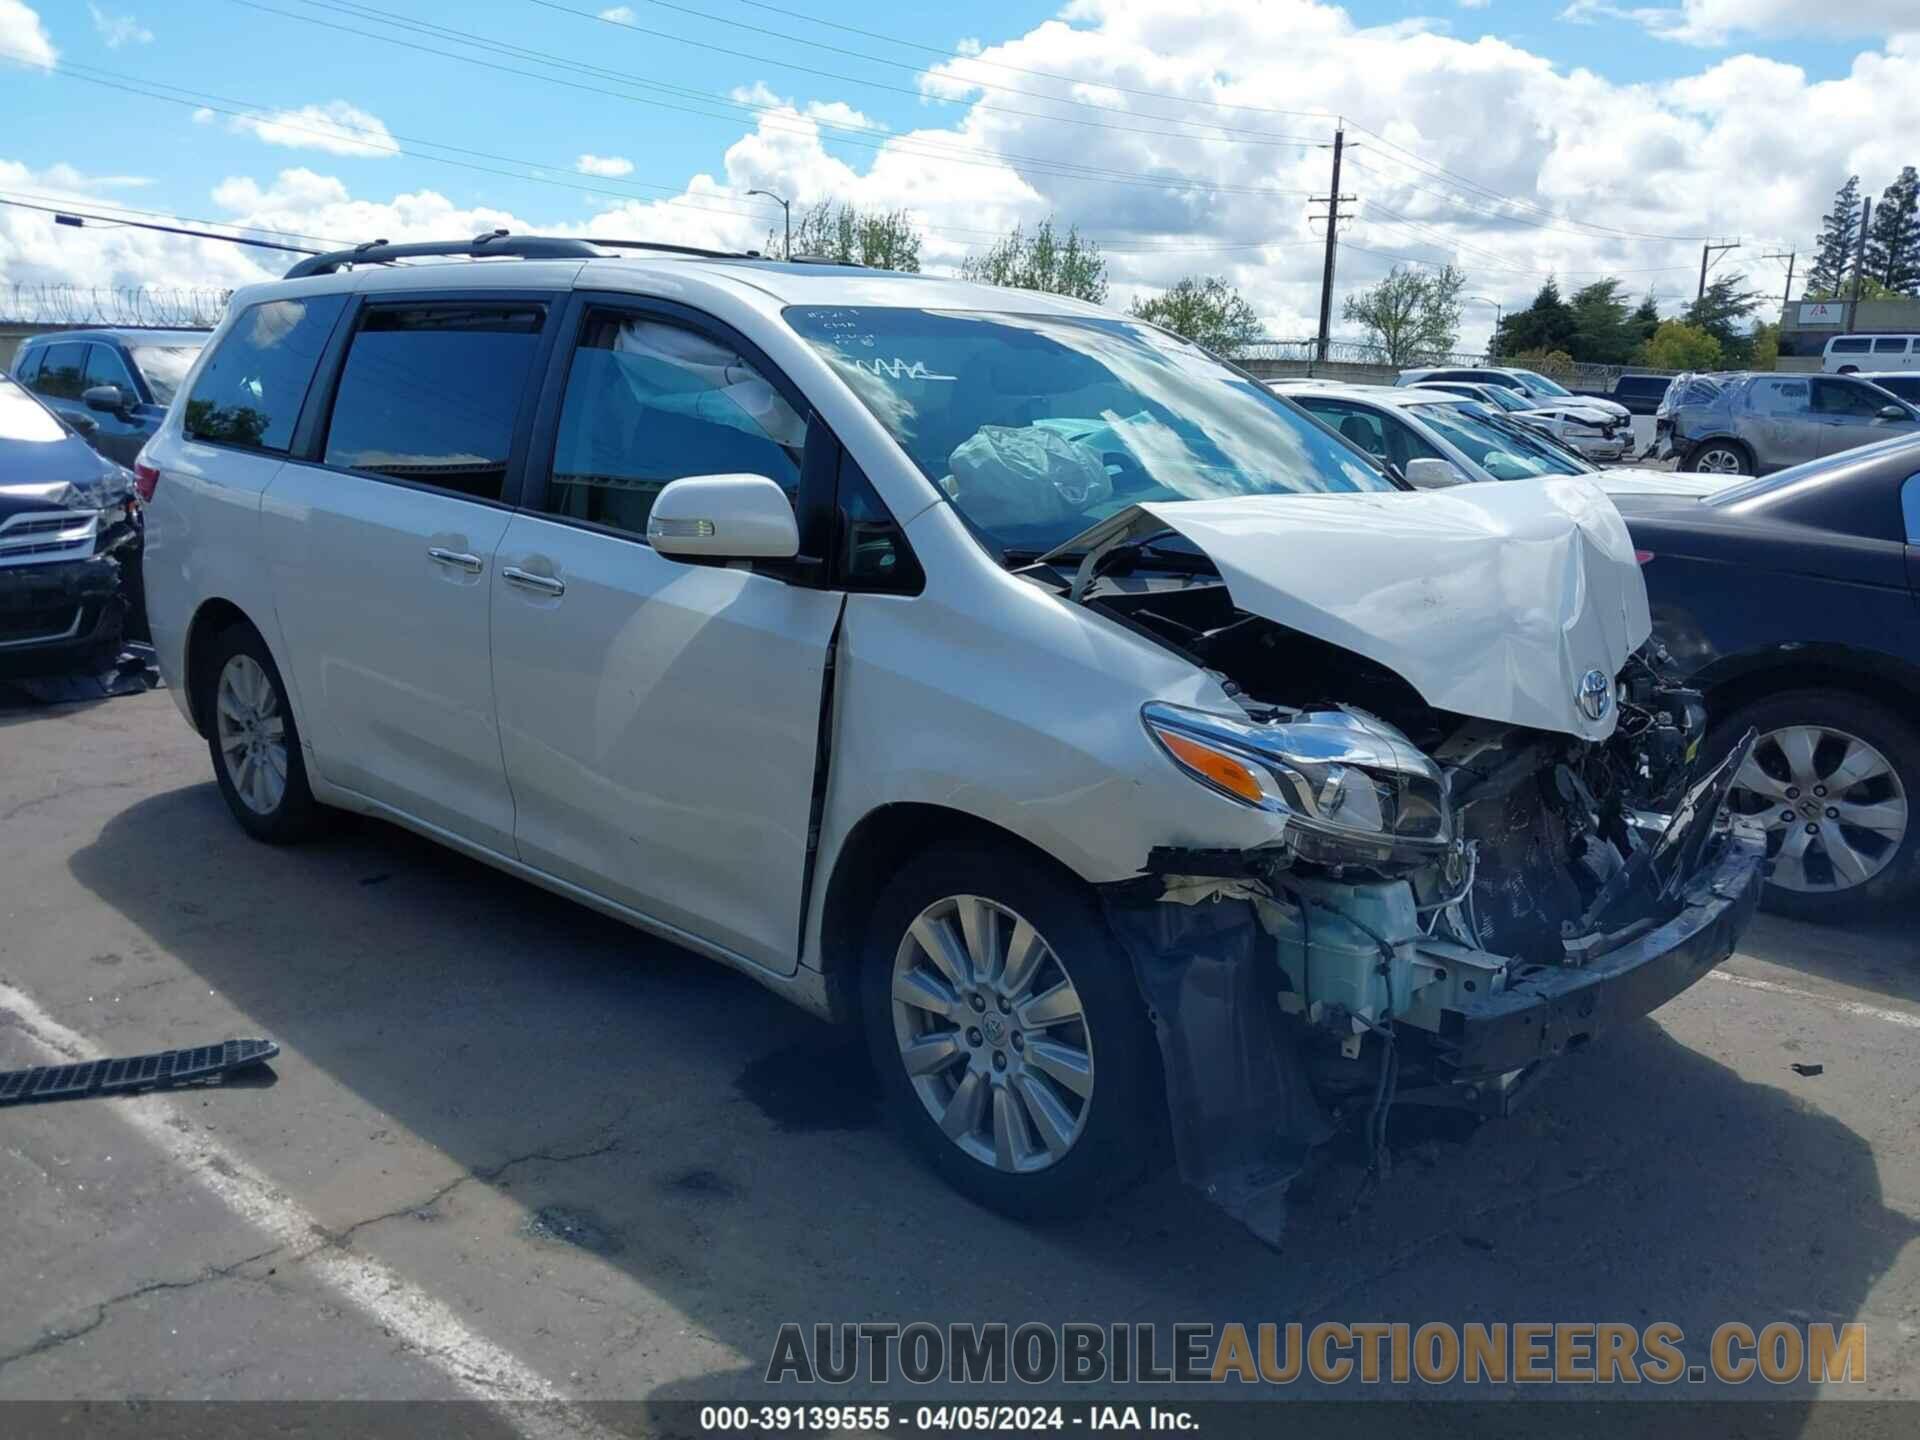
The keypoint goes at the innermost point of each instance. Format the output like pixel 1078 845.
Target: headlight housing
pixel 1353 789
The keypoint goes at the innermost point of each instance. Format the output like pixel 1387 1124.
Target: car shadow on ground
pixel 723 1150
pixel 1876 952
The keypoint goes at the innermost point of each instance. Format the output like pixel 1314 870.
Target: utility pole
pixel 1786 296
pixel 1333 201
pixel 1705 251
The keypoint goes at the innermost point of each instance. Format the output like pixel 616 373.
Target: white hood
pixel 1490 600
pixel 1634 480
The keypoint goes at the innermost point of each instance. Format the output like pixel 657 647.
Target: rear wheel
pixel 1834 781
pixel 1720 457
pixel 1012 1045
pixel 253 740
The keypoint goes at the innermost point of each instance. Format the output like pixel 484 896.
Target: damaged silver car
pixel 1109 738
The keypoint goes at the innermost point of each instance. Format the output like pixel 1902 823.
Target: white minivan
pixel 1848 354
pixel 1121 748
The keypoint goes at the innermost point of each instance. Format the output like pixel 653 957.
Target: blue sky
pixel 1519 136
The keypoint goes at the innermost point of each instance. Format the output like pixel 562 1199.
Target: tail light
pixel 145 477
pixel 1641 557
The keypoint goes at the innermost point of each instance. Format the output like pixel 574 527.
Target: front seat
pixel 1361 433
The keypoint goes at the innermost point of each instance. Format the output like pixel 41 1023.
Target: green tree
pixel 1677 345
pixel 1833 250
pixel 1207 311
pixel 1722 312
pixel 1060 265
pixel 1646 320
pixel 1546 324
pixel 1411 315
pixel 1548 362
pixel 1893 244
pixel 1603 329
pixel 1870 289
pixel 883 239
pixel 1766 347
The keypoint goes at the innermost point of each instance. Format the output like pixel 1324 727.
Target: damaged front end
pixel 69 572
pixel 1449 901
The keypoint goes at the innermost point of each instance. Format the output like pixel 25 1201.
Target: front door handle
pixel 526 579
pixel 469 563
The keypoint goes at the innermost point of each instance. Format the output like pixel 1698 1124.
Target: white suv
pixel 1110 738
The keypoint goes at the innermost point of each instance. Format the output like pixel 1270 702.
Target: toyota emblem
pixel 1595 694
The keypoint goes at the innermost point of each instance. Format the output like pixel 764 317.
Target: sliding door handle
pixel 469 563
pixel 527 580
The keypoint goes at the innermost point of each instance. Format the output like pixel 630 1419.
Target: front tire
pixel 254 741
pixel 1012 1046
pixel 1835 782
pixel 1720 457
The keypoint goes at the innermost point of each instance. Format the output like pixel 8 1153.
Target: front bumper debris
pixel 53 615
pixel 1551 1010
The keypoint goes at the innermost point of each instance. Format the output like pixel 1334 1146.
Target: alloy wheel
pixel 1719 460
pixel 252 734
pixel 1832 805
pixel 992 1034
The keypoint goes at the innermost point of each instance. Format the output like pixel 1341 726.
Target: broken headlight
pixel 1353 789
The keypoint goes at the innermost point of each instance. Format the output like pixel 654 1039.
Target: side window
pixel 1357 427
pixel 650 402
pixel 250 392
pixel 1779 397
pixel 431 393
pixel 1839 397
pixel 1404 443
pixel 62 372
pixel 28 365
pixel 1853 345
pixel 1910 507
pixel 104 367
pixel 1890 347
pixel 870 549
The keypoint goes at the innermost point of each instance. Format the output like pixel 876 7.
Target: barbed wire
pixel 132 306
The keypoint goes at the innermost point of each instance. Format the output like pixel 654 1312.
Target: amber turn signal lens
pixel 1223 770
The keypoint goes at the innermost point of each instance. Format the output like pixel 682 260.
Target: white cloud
pixel 23 37
pixel 1475 4
pixel 611 166
pixel 1748 146
pixel 336 127
pixel 1719 22
pixel 118 30
pixel 621 14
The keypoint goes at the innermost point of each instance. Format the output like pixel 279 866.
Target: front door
pixel 660 718
pixel 1849 413
pixel 1784 429
pixel 382 552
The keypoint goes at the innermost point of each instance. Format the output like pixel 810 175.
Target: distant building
pixel 1807 325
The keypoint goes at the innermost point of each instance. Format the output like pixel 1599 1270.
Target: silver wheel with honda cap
pixel 1008 1033
pixel 992 1033
pixel 1832 779
pixel 252 734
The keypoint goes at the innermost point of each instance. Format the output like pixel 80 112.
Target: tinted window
pixel 27 364
pixel 104 368
pixel 649 402
pixel 431 393
pixel 1890 347
pixel 1907 387
pixel 1838 397
pixel 253 385
pixel 1858 346
pixel 63 373
pixel 871 551
pixel 165 367
pixel 1779 397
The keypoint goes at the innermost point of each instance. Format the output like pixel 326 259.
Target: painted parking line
pixel 477 1366
pixel 1847 1007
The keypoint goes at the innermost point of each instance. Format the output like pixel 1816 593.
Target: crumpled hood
pixel 1490 600
pixel 1634 480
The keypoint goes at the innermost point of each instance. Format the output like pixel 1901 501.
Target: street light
pixel 786 211
pixel 1483 300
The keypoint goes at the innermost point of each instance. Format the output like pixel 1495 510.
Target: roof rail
pixel 496 242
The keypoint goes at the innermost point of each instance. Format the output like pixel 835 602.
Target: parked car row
pixel 930 654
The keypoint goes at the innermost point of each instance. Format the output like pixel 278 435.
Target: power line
pixel 53 203
pixel 72 216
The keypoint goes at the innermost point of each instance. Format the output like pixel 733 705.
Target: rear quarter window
pixel 251 389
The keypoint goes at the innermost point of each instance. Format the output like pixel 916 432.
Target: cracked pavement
pixel 625 1167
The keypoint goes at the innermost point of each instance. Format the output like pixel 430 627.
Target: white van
pixel 1108 737
pixel 1846 354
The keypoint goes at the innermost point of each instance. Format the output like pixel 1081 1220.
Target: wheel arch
pixel 1718 437
pixel 1739 680
pixel 874 850
pixel 215 615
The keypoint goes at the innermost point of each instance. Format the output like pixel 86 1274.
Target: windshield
pixel 24 418
pixel 1037 426
pixel 1540 385
pixel 1504 450
pixel 165 366
pixel 1503 397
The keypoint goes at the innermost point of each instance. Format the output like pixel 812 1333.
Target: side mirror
pixel 724 517
pixel 1431 474
pixel 1894 412
pixel 107 399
